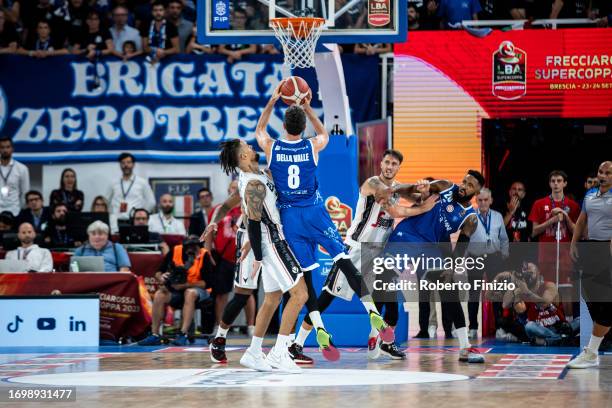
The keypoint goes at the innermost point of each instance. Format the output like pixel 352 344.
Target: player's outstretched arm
pixel 322 138
pixel 220 212
pixel 261 133
pixel 400 211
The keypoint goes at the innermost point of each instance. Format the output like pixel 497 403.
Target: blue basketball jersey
pixel 294 170
pixel 436 225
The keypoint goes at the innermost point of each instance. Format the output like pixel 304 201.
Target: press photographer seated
pixel 183 274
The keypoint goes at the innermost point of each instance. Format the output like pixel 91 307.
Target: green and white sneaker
pixel 586 359
pixel 384 330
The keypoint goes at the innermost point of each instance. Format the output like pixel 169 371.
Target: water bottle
pixel 336 130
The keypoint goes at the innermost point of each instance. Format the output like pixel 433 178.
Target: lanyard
pixel 125 193
pixel 165 226
pixel 552 202
pixel 486 224
pixel 158 38
pixel 42 45
pixel 5 178
pixel 23 256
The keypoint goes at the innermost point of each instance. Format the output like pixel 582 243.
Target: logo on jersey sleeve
pixel 341 215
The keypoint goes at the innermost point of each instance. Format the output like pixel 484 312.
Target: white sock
pixel 256 343
pixel 317 322
pixel 462 335
pixel 291 338
pixel 301 337
pixel 369 306
pixel 373 332
pixel 221 332
pixel 594 343
pixel 282 341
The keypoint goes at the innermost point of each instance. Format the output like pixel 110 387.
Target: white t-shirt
pixel 39 259
pixel 162 225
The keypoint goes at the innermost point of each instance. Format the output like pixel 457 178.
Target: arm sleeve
pixel 254 230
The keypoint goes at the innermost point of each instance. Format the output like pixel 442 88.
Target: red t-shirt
pixel 548 315
pixel 225 241
pixel 541 211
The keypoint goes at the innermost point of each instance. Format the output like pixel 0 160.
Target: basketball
pixel 294 90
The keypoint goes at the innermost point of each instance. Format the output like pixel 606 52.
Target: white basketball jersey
pixel 272 230
pixel 371 222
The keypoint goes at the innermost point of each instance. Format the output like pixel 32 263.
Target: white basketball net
pixel 299 38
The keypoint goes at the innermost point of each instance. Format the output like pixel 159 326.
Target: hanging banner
pixel 178 110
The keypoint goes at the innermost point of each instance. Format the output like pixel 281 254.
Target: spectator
pixel 199 219
pixel 372 49
pixel 141 218
pixel 39 259
pixel 8 35
pixel 569 8
pixel 518 9
pixel 68 193
pixel 225 251
pixel 12 10
pixel 453 12
pixel 36 11
pixel 41 44
pixel 490 242
pixel 36 214
pixel 269 49
pixel 115 256
pixel 413 18
pixel 184 27
pixel 553 219
pixel 129 50
pixel 14 179
pixel 428 14
pixel 56 235
pixel 69 20
pixel 7 222
pixel 601 12
pixel 183 275
pixel 130 191
pixel 95 40
pixel 591 182
pixel 164 222
pixel 122 33
pixel 235 52
pixel 518 226
pixel 160 37
pixel 100 205
pixel 193 47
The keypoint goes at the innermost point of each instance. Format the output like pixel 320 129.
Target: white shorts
pixel 280 269
pixel 243 270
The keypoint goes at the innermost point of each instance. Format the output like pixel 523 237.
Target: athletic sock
pixel 315 317
pixel 256 343
pixel 301 336
pixel 462 335
pixel 282 341
pixel 594 343
pixel 221 332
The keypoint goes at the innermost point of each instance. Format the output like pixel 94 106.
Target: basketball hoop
pixel 298 36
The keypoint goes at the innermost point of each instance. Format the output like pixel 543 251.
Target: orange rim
pixel 302 26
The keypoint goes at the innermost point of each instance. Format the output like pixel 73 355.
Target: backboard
pixel 347 21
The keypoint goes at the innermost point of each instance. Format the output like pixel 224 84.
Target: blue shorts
pixel 307 227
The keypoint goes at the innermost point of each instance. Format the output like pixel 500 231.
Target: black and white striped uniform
pixel 243 270
pixel 280 269
pixel 371 224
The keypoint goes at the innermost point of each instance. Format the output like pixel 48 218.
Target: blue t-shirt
pixel 294 170
pixel 115 255
pixel 436 225
pixel 455 11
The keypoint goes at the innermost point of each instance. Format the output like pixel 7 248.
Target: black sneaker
pixel 296 353
pixel 217 350
pixel 423 334
pixel 391 350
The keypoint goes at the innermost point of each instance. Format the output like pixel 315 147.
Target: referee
pixel 595 257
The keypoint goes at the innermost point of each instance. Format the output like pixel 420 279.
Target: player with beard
pixel 453 212
pixel 280 270
pixel 371 224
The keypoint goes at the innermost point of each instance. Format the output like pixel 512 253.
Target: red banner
pixel 526 73
pixel 125 308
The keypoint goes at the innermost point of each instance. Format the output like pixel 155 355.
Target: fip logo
pixel 221 15
pixel 3 108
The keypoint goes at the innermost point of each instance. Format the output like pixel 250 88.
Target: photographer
pixel 183 274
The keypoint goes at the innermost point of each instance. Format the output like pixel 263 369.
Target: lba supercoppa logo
pixel 3 108
pixel 341 215
pixel 509 72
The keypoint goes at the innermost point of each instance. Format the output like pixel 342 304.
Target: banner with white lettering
pixel 69 109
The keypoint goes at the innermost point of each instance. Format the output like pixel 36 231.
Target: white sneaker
pixel 473 334
pixel 585 359
pixel 281 360
pixel 255 361
pixel 373 348
pixel 432 331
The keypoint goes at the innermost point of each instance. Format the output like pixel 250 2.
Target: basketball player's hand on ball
pixel 306 101
pixel 244 251
pixel 277 92
pixel 256 267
